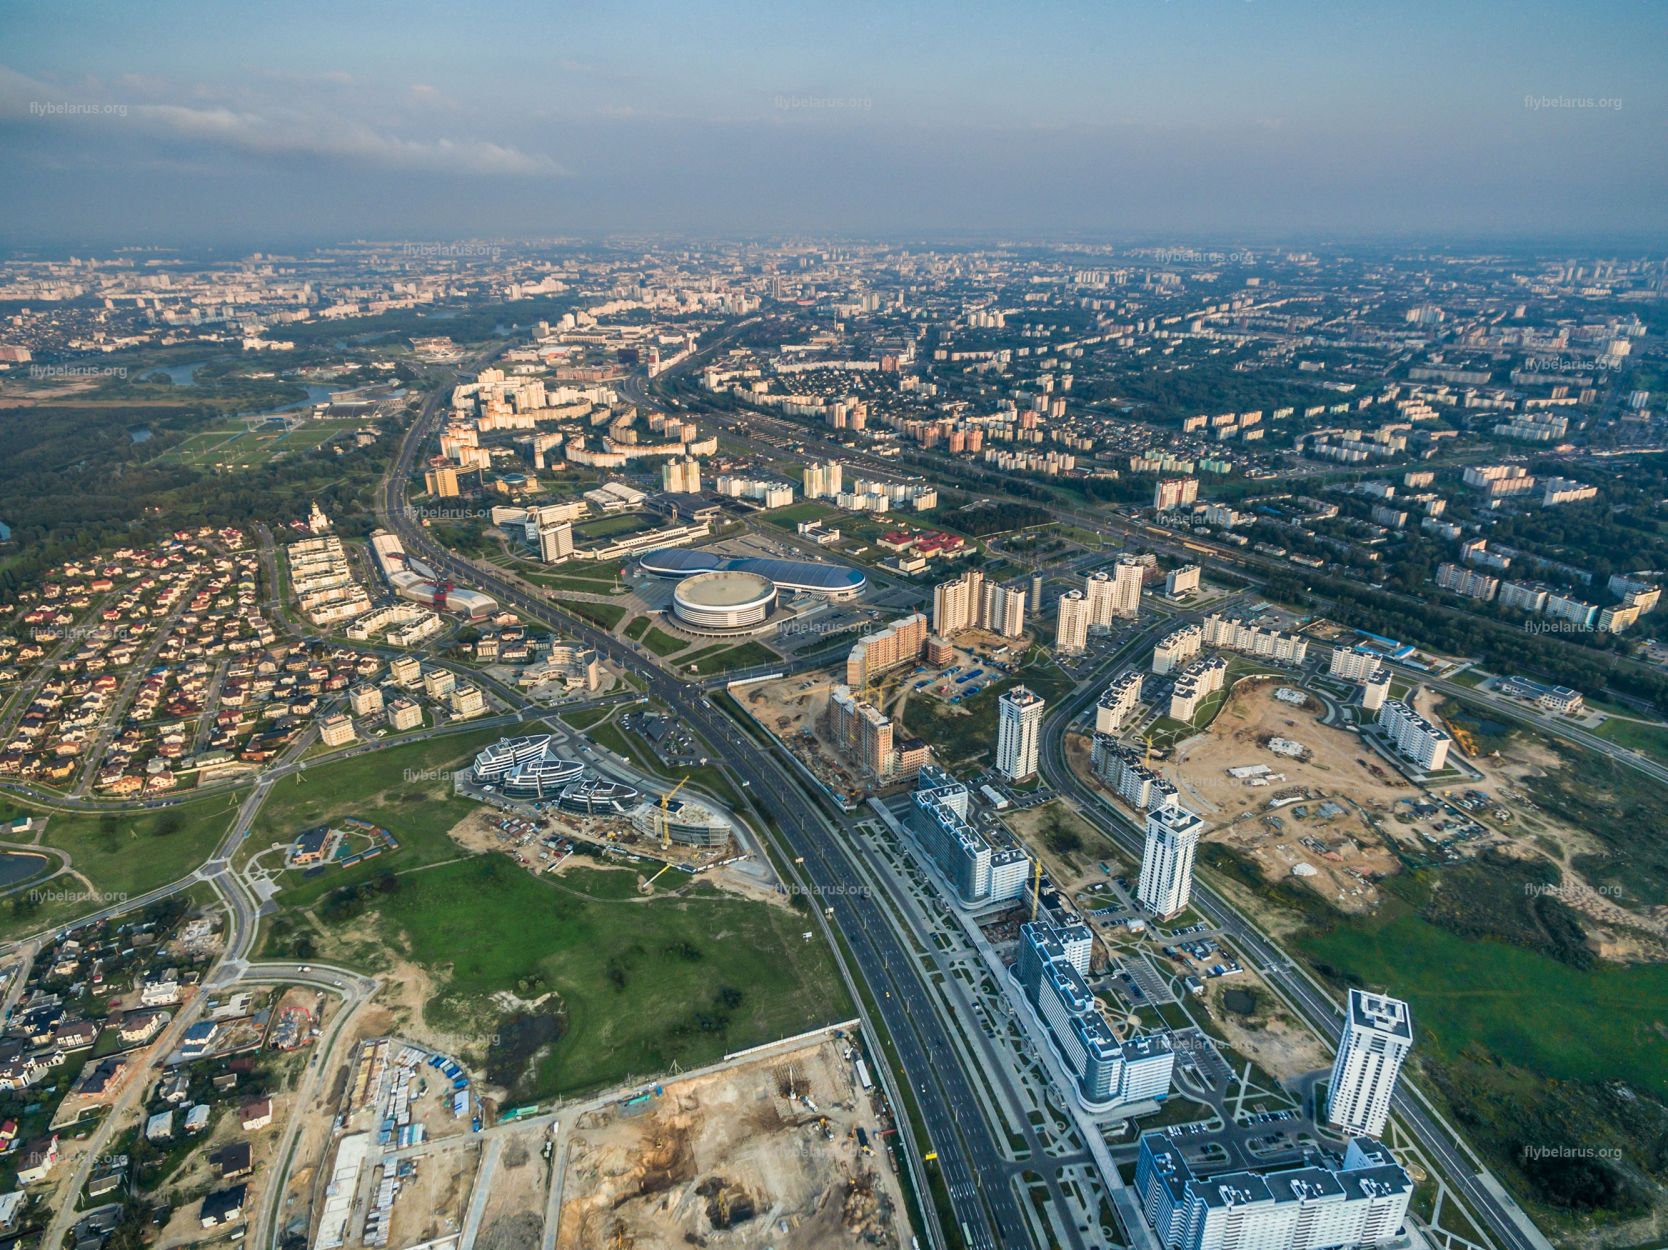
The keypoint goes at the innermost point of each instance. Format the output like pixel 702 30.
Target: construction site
pixel 676 829
pixel 1298 798
pixel 786 1151
pixel 795 709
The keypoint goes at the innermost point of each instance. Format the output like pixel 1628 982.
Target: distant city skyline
pixel 187 123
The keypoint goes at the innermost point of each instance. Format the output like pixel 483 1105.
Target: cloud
pixel 331 138
pixel 262 129
pixel 430 96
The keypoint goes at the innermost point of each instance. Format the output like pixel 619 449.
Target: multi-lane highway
pixel 966 1145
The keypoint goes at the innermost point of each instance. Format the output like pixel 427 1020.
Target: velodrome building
pixel 721 599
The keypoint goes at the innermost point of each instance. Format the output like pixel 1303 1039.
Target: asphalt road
pixel 966 1146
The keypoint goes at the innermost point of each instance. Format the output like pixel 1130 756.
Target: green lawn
pixel 584 718
pixel 608 615
pixel 586 576
pixel 662 643
pixel 615 526
pixel 122 854
pixel 722 658
pixel 805 510
pixel 407 790
pixel 1529 1010
pixel 1652 740
pixel 642 982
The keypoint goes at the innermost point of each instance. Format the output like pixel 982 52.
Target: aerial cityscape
pixel 946 628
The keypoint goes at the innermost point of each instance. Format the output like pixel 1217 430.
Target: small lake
pixel 181 375
pixel 1240 1002
pixel 16 867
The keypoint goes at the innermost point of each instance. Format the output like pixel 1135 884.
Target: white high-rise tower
pixel 1018 722
pixel 1378 1033
pixel 1167 863
pixel 1071 627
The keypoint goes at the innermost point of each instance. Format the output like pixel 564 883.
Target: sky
pixel 266 126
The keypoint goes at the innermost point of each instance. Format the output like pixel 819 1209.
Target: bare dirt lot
pixel 1070 847
pixel 737 1159
pixel 431 1202
pixel 1328 809
pixel 1268 1033
pixel 516 1201
pixel 795 709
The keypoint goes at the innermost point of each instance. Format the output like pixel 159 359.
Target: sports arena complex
pixel 728 594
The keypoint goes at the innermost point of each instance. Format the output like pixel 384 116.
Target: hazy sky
pixel 263 124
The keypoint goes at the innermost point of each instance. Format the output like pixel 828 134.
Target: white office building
pixel 1378 1033
pixel 556 542
pixel 1167 862
pixel 1019 715
pixel 1182 581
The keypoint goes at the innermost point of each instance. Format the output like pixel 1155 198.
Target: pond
pixel 16 867
pixel 1240 1002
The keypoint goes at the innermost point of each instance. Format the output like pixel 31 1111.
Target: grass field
pixel 575 580
pixel 584 718
pixel 1531 1011
pixel 662 643
pixel 722 658
pixel 407 790
pixel 121 854
pixel 234 444
pixel 805 510
pixel 1651 740
pixel 615 526
pixel 642 982
pixel 962 733
pixel 608 615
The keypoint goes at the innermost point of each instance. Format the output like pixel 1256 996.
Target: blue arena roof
pixel 825 579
